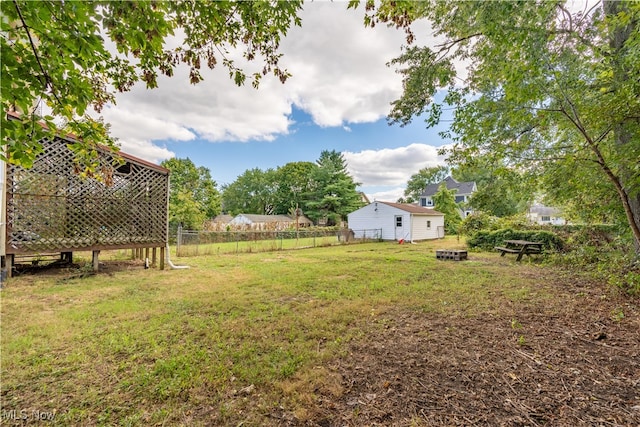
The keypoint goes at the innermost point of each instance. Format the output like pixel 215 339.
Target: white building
pixel 397 221
pixel 545 215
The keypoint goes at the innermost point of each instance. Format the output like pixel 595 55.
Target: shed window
pixel 428 225
pixel 546 218
pixel 398 221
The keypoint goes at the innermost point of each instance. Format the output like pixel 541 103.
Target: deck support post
pixel 96 262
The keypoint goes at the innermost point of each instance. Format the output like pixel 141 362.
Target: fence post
pixel 178 239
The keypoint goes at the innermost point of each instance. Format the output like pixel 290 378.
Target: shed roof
pixel 414 209
pixel 452 184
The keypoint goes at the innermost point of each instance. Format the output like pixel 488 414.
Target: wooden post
pixel 96 263
pixel 162 258
pixel 153 256
pixel 146 253
pixel 9 265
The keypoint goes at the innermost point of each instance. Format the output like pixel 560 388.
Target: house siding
pixel 419 229
pixel 379 216
pixel 368 218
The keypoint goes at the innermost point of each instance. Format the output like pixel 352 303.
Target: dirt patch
pixel 572 362
pixel 66 270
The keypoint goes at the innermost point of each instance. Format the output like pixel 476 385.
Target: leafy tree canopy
pixel 547 89
pixel 193 195
pixel 501 191
pixel 445 202
pixel 418 182
pixel 332 195
pixel 252 192
pixel 55 53
pixel 292 184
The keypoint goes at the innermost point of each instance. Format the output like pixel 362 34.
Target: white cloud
pixel 339 77
pixel 391 195
pixel 144 149
pixel 391 166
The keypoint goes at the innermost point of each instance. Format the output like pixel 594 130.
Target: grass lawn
pixel 268 245
pixel 271 338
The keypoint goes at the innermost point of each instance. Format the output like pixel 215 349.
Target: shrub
pixel 487 240
pixel 477 221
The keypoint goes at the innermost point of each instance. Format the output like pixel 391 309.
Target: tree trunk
pixel 622 131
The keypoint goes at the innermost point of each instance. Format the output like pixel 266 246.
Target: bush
pixel 477 221
pixel 487 240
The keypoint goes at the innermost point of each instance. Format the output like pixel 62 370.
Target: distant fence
pixel 192 242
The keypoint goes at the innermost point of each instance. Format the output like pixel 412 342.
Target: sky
pixel 337 99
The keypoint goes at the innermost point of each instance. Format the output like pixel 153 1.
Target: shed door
pixel 399 227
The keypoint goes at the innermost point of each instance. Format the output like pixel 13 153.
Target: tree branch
pixel 33 45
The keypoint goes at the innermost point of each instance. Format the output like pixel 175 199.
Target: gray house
pixel 464 191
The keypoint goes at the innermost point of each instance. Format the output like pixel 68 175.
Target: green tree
pixel 253 192
pixel 501 191
pixel 185 211
pixel 546 86
pixel 292 183
pixel 445 202
pixel 584 194
pixel 193 195
pixel 332 194
pixel 55 53
pixel 418 182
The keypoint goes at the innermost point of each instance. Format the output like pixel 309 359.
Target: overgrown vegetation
pixel 603 250
pixel 604 253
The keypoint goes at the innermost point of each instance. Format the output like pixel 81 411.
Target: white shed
pixel 397 221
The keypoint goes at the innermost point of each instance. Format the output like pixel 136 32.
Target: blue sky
pixel 337 99
pixel 228 159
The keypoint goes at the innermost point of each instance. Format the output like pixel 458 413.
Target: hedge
pixel 487 240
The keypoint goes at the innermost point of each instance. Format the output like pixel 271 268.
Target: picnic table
pixel 520 247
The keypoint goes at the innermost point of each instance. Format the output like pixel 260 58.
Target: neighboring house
pixel 218 223
pixel 364 198
pixel 397 221
pixel 464 190
pixel 545 215
pixel 262 222
pixel 222 219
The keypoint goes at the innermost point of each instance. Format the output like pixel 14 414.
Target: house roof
pixel 268 218
pixel 544 210
pixel 452 184
pixel 223 218
pixel 414 209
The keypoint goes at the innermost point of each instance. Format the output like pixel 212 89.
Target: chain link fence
pixel 193 242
